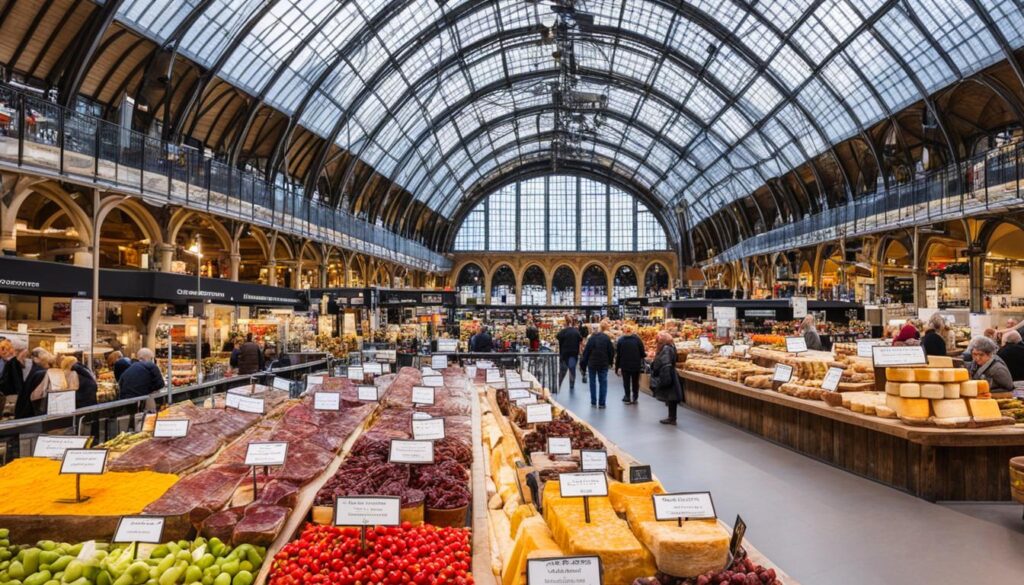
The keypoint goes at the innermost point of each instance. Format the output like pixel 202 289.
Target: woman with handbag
pixel 665 383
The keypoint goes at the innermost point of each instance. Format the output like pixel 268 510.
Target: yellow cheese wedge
pixel 908 407
pixel 933 391
pixel 894 403
pixel 618 492
pixel 951 390
pixel 984 408
pixel 910 390
pixel 899 374
pixel 950 408
pixel 695 548
pixel 940 361
pixel 892 388
pixel 884 411
pixel 928 375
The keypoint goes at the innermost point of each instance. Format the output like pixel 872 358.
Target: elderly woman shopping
pixel 986 365
pixel 665 383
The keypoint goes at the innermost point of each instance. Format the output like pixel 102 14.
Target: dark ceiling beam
pixel 30 32
pixel 84 51
pixel 57 33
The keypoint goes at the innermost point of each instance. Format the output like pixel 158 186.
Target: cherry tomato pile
pixel 397 554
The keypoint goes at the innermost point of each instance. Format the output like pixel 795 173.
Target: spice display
pixel 32 485
pixel 397 554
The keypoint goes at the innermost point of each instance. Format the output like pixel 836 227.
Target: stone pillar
pixel 165 254
pixel 976 264
pixel 235 262
pixel 920 287
pixel 296 279
pixel 272 273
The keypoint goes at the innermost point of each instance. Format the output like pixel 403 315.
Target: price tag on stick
pixel 327 401
pixel 365 511
pixel 368 393
pixel 414 452
pixel 518 394
pixel 683 505
pixel 594 460
pixel 640 474
pixel 583 485
pixel 433 381
pixel 796 344
pixel 147 529
pixel 739 529
pixel 431 429
pixel 170 428
pixel 266 453
pixel 783 373
pixel 580 570
pixel 832 378
pixel 356 373
pixel 559 446
pixel 538 413
pixel 54 446
pixel 898 355
pixel 423 395
pixel 82 462
pixel 439 362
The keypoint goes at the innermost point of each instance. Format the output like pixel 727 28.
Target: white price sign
pixel 799 305
pixel 415 452
pixel 796 344
pixel 368 393
pixel 147 529
pixel 517 384
pixel 266 453
pixel 428 371
pixel 368 511
pixel 170 428
pixel 373 368
pixel 250 404
pixel 518 393
pixel 783 373
pixel 898 355
pixel 559 446
pixel 493 376
pixel 431 429
pixel 54 446
pixel 280 383
pixel 356 373
pixel 439 362
pixel 60 402
pixel 312 381
pixel 433 381
pixel 84 461
pixel 326 401
pixel 705 343
pixel 531 399
pixel 725 316
pixel 584 484
pixel 594 460
pixel 81 323
pixel 692 505
pixel 832 378
pixel 582 570
pixel 864 347
pixel 421 416
pixel 231 399
pixel 422 395
pixel 725 351
pixel 538 413
pixel 449 345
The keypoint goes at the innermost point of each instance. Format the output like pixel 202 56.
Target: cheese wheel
pixel 899 374
pixel 984 409
pixel 953 375
pixel 910 390
pixel 951 390
pixel 940 361
pixel 969 388
pixel 950 408
pixel 892 388
pixel 983 387
pixel 894 403
pixel 928 375
pixel 933 391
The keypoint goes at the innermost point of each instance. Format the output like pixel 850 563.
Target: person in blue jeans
pixel 569 341
pixel 598 356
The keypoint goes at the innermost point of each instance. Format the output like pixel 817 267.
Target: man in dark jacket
pixel 629 361
pixel 1012 353
pixel 21 376
pixel 249 358
pixel 118 363
pixel 481 342
pixel 569 340
pixel 142 378
pixel 598 356
pixel 532 334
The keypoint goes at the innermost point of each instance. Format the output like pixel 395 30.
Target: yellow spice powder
pixel 32 486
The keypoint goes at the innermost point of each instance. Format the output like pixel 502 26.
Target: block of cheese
pixel 952 374
pixel 933 391
pixel 697 547
pixel 532 540
pixel 950 408
pixel 910 390
pixel 928 374
pixel 940 361
pixel 972 388
pixel 951 390
pixel 899 374
pixel 984 409
pixel 892 388
pixel 618 492
pixel 884 411
pixel 908 407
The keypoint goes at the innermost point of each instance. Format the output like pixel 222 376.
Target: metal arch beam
pixel 84 52
pixel 543 167
pixel 997 34
pixel 192 101
pixel 997 87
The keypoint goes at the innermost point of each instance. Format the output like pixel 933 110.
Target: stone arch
pixel 499 270
pixel 62 199
pixel 522 284
pixel 607 281
pixel 644 281
pixel 470 283
pixel 614 273
pixel 574 281
pixel 138 212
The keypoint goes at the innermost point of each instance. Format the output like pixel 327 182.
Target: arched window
pixel 625 285
pixel 655 279
pixel 535 290
pixel 563 286
pixel 503 286
pixel 470 283
pixel 560 213
pixel 594 290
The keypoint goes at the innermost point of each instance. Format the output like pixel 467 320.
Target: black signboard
pixel 640 474
pixel 35 277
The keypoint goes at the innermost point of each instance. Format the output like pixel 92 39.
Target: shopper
pixel 79 379
pixel 907 335
pixel 249 358
pixel 987 365
pixel 569 341
pixel 6 354
pixel 1012 353
pixel 532 334
pixel 809 327
pixel 584 334
pixel 482 341
pixel 118 363
pixel 934 340
pixel 142 378
pixel 598 356
pixel 39 382
pixel 665 383
pixel 629 361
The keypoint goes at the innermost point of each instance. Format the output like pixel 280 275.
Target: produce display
pixel 197 561
pixel 396 554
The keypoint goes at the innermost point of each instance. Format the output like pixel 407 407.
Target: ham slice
pixel 261 524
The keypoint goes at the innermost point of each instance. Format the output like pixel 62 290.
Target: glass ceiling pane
pixel 158 18
pixel 959 31
pixel 1009 19
pixel 213 30
pixel 907 41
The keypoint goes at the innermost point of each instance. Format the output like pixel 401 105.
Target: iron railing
pixel 45 138
pixel 987 183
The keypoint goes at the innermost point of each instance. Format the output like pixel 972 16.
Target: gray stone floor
pixel 819 523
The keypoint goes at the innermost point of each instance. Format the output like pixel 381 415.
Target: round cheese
pixel 933 391
pixel 910 390
pixel 892 388
pixel 951 390
pixel 928 375
pixel 899 374
pixel 969 388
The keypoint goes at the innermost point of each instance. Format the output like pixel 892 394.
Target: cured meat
pixel 158 455
pixel 198 495
pixel 260 525
pixel 305 461
pixel 222 524
pixel 199 443
pixel 279 493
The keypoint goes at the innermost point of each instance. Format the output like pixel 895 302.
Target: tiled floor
pixel 821 524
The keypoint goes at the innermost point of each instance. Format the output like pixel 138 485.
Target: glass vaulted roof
pixel 699 101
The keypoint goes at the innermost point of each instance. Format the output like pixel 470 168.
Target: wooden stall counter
pixel 928 462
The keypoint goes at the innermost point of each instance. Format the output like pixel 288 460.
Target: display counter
pixel 928 462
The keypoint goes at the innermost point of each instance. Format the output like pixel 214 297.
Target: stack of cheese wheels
pixel 940 394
